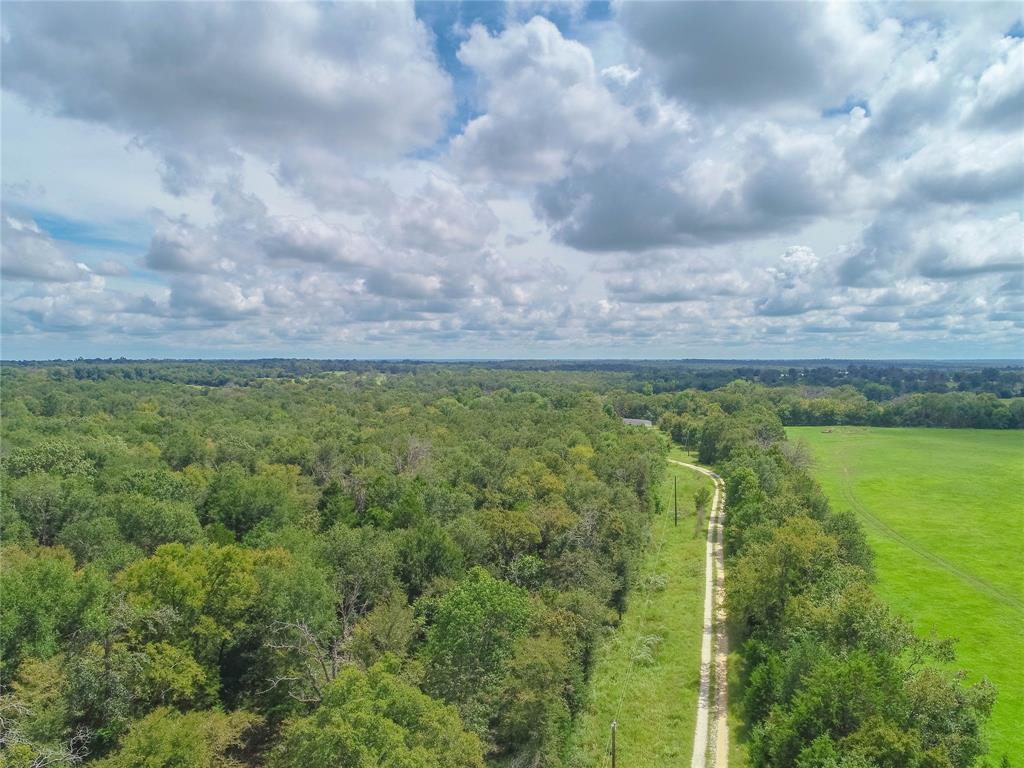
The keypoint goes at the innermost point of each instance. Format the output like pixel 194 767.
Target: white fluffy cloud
pixel 439 218
pixel 680 179
pixel 201 84
pixel 544 106
pixel 30 254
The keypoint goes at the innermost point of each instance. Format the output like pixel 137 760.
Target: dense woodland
pixel 406 565
pixel 343 568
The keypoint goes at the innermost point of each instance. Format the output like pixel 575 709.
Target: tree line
pixel 831 677
pixel 806 406
pixel 878 381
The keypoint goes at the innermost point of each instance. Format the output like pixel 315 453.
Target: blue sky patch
pixel 85 234
pixel 846 106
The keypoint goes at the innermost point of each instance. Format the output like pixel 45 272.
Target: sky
pixel 490 180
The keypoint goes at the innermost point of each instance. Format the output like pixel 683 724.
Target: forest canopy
pixel 413 565
pixel 429 557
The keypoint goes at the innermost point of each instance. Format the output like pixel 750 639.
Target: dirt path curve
pixel 711 736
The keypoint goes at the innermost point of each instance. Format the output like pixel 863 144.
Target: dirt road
pixel 711 736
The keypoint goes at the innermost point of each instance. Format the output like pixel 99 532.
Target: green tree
pixel 426 552
pixel 273 497
pixel 148 523
pixel 770 573
pixel 472 637
pixel 207 591
pixel 38 603
pixel 389 628
pixel 375 720
pixel 57 456
pixel 168 739
pixel 39 500
pixel 701 499
pixel 533 715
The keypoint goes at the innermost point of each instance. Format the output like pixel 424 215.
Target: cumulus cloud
pixel 311 241
pixel 216 299
pixel 893 247
pixel 967 170
pixel 998 101
pixel 791 178
pixel 665 189
pixel 796 285
pixel 415 266
pixel 619 167
pixel 883 247
pixel 678 284
pixel 966 249
pixel 31 254
pixel 200 84
pixel 439 217
pixel 768 55
pixel 544 105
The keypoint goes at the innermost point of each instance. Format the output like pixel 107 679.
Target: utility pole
pixel 613 743
pixel 675 497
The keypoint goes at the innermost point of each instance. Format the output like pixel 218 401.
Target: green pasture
pixel 647 671
pixel 944 512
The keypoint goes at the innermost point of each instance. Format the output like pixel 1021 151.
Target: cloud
pixel 215 299
pixel 439 217
pixel 544 106
pixel 773 55
pixel 31 254
pixel 178 246
pixel 332 182
pixel 797 285
pixel 111 268
pixel 666 189
pixel 672 180
pixel 617 166
pixel 965 250
pixel 884 245
pixel 893 247
pixel 312 241
pixel 201 84
pixel 999 96
pixel 977 171
pixel 677 284
pixel 419 262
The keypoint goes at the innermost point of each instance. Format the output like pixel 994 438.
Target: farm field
pixel 943 511
pixel 646 674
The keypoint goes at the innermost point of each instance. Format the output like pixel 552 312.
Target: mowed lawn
pixel 944 511
pixel 647 672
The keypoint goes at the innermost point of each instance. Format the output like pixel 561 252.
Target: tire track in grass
pixel 887 531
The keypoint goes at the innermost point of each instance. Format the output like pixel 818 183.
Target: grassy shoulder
pixel 737 723
pixel 942 510
pixel 647 672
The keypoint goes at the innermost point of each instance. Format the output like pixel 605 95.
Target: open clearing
pixel 943 511
pixel 647 674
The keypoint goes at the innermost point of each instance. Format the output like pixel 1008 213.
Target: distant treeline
pixel 878 381
pixel 825 406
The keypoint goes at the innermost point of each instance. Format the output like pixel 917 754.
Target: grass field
pixel 944 512
pixel 646 674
